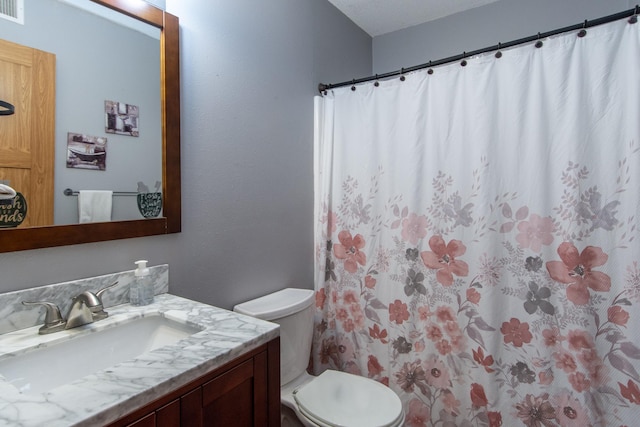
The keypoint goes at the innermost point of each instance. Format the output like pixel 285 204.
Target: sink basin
pixel 43 369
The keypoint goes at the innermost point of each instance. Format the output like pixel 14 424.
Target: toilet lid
pixel 339 399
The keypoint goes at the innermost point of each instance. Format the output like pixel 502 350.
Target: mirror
pixel 94 55
pixel 169 79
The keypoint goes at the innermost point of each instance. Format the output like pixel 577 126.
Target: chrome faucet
pixel 86 308
pixel 79 314
pixel 53 321
pixel 94 302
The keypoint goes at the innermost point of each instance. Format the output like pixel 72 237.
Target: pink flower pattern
pixel 442 258
pixel 576 270
pixel 414 228
pixel 418 414
pixel 437 374
pixel 516 333
pixel 398 312
pixel 535 233
pixel 349 250
pixel 569 411
pixel 618 315
pixel 466 334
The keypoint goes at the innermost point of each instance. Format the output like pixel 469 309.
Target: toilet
pixel 332 398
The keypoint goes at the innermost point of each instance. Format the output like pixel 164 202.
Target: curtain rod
pixel 632 14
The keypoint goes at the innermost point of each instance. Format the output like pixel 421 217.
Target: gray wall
pixel 249 72
pixel 484 26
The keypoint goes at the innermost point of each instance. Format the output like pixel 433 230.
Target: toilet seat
pixel 335 399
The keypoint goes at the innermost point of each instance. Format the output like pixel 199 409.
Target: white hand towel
pixel 94 206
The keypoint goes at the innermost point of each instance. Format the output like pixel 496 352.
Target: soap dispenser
pixel 141 289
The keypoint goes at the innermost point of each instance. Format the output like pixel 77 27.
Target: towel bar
pixel 70 192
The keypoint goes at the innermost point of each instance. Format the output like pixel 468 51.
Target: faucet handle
pixel 102 291
pixel 94 302
pixel 53 321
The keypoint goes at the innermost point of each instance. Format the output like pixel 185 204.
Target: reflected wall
pixel 98 60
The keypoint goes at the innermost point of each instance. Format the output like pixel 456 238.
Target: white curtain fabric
pixel 476 240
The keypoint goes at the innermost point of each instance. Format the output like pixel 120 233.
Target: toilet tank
pixel 292 309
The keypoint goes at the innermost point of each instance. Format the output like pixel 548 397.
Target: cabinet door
pixel 191 408
pixel 246 392
pixel 167 416
pixel 236 398
pixel 147 421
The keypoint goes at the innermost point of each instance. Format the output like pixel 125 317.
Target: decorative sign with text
pixel 150 204
pixel 13 211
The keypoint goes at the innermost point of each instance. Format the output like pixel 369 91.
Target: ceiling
pixel 378 17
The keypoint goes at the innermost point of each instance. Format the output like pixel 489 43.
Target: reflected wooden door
pixel 27 138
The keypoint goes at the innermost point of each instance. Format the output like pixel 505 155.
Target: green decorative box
pixel 150 204
pixel 13 211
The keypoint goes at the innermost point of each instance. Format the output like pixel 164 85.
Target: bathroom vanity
pixel 208 367
pixel 236 394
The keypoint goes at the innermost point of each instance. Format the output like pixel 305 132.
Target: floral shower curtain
pixel 476 239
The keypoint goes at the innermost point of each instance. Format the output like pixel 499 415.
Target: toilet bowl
pixel 336 398
pixel 332 398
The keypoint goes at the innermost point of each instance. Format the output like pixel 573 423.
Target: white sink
pixel 43 369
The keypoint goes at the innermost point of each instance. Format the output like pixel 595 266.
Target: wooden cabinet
pixel 242 393
pixel 167 416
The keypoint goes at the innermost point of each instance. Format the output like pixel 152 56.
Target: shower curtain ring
pixel 353 87
pixel 498 53
pixel 464 61
pixel 539 42
pixel 634 18
pixel 402 77
pixel 430 70
pixel 583 32
pixel 377 83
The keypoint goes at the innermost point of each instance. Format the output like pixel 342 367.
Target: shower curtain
pixel 476 235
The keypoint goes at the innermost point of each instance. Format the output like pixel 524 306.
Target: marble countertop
pixel 106 395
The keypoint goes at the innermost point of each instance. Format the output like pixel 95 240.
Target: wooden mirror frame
pixel 18 239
